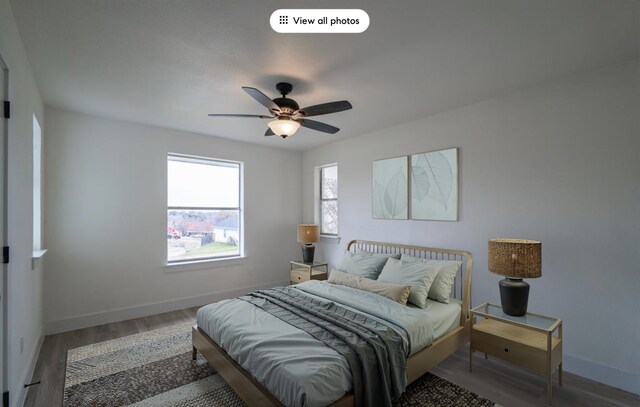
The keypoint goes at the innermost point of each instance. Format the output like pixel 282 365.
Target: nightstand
pixel 301 271
pixel 528 341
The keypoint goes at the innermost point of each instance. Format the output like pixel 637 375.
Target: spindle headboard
pixel 462 284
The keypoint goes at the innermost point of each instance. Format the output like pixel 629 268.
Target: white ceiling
pixel 169 63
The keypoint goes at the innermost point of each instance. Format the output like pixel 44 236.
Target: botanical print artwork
pixel 390 184
pixel 434 185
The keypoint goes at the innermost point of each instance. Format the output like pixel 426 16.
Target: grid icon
pixel 284 19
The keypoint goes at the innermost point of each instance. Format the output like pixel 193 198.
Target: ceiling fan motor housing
pixel 287 106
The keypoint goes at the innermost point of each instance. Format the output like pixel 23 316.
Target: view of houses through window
pixel 204 213
pixel 329 200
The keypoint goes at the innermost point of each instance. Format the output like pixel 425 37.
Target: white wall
pixel 24 285
pixel 105 220
pixel 560 163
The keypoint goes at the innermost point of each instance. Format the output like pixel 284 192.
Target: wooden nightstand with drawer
pixel 301 271
pixel 527 341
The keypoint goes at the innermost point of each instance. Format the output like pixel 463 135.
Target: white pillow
pixel 395 292
pixel 418 275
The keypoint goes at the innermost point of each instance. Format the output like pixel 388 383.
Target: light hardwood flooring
pixel 499 381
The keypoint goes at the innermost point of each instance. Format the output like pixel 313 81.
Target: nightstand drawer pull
pixel 506 349
pixel 299 278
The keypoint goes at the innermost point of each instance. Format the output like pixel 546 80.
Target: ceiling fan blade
pixel 261 98
pixel 240 115
pixel 319 126
pixel 326 108
pixel 269 132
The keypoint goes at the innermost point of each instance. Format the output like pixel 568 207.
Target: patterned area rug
pixel 155 369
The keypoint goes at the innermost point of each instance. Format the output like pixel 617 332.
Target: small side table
pixel 301 271
pixel 528 341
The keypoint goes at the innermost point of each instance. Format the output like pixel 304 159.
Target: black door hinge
pixel 7 109
pixel 5 255
pixel 5 399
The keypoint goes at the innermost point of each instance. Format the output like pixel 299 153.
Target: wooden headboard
pixel 462 284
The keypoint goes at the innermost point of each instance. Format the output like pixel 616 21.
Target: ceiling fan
pixel 287 113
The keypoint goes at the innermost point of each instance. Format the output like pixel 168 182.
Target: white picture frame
pixel 434 185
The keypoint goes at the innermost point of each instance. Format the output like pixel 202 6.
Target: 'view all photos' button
pixel 319 20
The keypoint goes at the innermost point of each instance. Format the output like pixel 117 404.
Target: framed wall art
pixel 390 189
pixel 434 185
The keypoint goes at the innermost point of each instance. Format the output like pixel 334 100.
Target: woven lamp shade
pixel 308 233
pixel 517 258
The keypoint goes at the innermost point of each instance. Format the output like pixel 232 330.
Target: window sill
pixel 36 257
pixel 203 264
pixel 38 254
pixel 330 238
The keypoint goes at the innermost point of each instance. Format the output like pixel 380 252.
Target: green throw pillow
pixel 363 264
pixel 440 289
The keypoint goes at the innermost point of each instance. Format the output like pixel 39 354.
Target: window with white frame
pixel 328 206
pixel 37 185
pixel 204 209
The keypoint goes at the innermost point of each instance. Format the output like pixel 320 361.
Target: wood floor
pixel 51 361
pixel 499 381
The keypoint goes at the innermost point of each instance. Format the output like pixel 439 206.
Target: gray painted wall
pixel 559 163
pixel 24 285
pixel 105 221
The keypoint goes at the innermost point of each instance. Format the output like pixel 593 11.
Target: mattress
pixel 296 368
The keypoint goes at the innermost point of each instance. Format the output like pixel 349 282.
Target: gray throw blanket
pixel 376 354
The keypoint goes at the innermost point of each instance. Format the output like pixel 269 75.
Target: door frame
pixel 4 137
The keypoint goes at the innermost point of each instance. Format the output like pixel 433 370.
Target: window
pixel 204 209
pixel 37 185
pixel 329 200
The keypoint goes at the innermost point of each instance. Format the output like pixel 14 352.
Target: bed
pixel 246 324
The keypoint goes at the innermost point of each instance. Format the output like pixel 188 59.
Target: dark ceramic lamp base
pixel 514 296
pixel 308 251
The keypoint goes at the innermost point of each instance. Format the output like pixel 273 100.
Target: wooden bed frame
pixel 254 393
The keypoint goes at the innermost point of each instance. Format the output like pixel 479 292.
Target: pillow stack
pixel 360 270
pixel 427 278
pixel 400 278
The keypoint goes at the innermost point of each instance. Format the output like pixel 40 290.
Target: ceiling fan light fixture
pixel 284 127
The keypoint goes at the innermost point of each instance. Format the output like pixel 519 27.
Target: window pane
pixel 329 176
pixel 194 234
pixel 198 184
pixel 37 185
pixel 329 217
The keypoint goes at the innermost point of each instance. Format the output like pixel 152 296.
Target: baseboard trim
pixel 620 379
pixel 20 395
pixel 123 314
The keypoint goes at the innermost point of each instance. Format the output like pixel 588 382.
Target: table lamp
pixel 515 259
pixel 308 234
